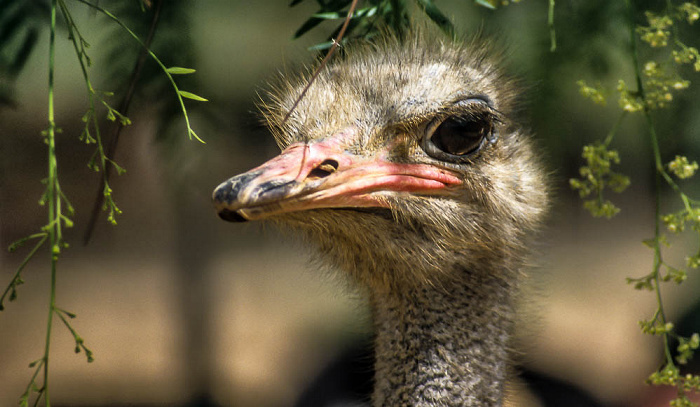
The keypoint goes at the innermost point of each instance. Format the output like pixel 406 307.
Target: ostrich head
pixel 402 157
pixel 405 166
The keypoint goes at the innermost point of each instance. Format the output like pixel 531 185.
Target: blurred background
pixel 181 308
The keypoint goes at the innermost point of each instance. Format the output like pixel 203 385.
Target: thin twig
pixel 54 202
pixel 117 126
pixel 14 282
pixel 325 60
pixel 552 31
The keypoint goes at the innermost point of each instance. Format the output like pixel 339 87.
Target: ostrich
pixel 404 166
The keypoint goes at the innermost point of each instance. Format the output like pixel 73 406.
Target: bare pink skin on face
pixel 323 174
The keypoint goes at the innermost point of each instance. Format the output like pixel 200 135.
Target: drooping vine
pixel 655 82
pixel 59 208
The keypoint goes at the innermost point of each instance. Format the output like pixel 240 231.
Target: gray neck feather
pixel 444 346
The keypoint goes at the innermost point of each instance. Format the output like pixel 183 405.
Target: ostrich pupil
pixel 460 136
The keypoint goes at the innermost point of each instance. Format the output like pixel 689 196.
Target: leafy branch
pixel 597 175
pixel 90 118
pixel 654 83
pixel 103 197
pixel 366 22
pixel 11 290
pixel 54 199
pixel 169 72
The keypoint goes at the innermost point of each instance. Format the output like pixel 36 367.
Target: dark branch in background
pixel 20 26
pixel 331 51
pixel 117 126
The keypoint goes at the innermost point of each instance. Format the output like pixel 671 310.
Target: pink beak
pixel 322 174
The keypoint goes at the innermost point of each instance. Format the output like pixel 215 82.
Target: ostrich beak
pixel 322 174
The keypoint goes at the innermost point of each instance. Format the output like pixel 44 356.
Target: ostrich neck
pixel 444 346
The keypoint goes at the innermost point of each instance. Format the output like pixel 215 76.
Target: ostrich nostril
pixel 324 169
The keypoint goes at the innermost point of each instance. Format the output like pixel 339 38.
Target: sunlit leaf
pixel 176 70
pixel 192 96
pixel 331 15
pixel 486 3
pixel 338 15
pixel 321 46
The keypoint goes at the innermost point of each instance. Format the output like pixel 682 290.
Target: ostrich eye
pixel 460 136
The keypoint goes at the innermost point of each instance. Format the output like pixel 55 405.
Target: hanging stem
pixel 658 261
pixel 54 204
pixel 658 174
pixel 117 126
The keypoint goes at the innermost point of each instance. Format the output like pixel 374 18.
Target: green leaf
pixel 307 26
pixel 486 3
pixel 192 96
pixel 330 15
pixel 436 15
pixel 320 47
pixel 176 70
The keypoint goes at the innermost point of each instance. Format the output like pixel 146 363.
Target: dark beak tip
pixel 223 194
pixel 231 216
